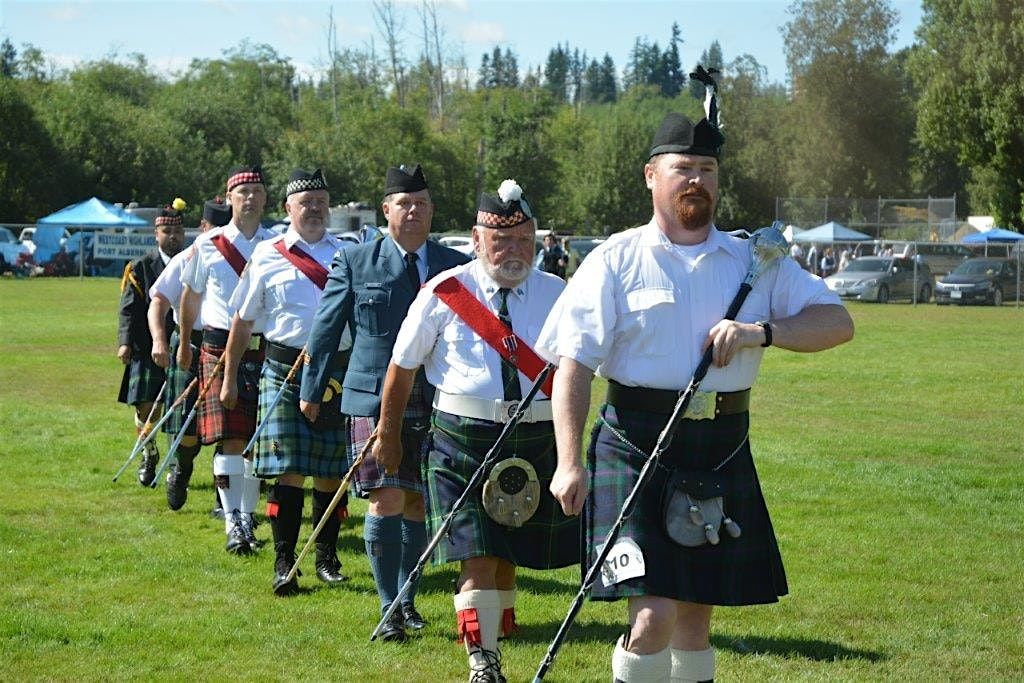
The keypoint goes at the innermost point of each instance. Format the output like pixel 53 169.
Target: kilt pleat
pixel 370 475
pixel 287 442
pixel 177 380
pixel 141 381
pixel 215 423
pixel 547 540
pixel 738 571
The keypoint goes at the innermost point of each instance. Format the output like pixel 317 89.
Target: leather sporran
pixel 330 415
pixel 693 508
pixel 511 493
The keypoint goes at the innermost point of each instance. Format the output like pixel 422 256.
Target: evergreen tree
pixel 556 72
pixel 8 60
pixel 671 75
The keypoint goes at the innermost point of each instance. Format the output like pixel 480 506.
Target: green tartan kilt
pixel 738 571
pixel 177 380
pixel 287 442
pixel 458 445
pixel 141 381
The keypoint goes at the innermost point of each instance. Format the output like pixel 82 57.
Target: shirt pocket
pixel 371 311
pixel 647 324
pixel 464 350
pixel 289 293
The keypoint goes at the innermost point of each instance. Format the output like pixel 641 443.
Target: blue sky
pixel 170 33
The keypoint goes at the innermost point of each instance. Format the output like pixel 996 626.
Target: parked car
pixel 979 281
pixel 882 278
pixel 579 247
pixel 463 243
pixel 941 257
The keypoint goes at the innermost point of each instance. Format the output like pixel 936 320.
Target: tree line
pixel 855 119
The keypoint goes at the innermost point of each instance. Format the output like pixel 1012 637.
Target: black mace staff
pixel 475 482
pixel 767 245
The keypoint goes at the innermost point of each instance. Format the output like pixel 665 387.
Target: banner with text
pixel 124 246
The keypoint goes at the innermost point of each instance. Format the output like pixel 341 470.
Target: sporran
pixel 511 493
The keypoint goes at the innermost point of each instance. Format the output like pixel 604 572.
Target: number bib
pixel 625 561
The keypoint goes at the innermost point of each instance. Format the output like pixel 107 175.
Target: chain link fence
pixel 883 218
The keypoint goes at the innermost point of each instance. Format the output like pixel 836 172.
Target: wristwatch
pixel 767 327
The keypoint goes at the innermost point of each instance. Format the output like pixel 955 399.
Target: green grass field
pixel 892 467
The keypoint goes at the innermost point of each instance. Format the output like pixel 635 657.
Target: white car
pixel 462 243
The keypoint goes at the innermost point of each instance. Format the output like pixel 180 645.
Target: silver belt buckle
pixel 508 409
pixel 702 406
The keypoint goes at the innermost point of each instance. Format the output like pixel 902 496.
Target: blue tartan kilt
pixel 177 381
pixel 287 443
pixel 738 571
pixel 141 381
pixel 548 540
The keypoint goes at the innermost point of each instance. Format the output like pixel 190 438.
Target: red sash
pixel 304 262
pixel 485 323
pixel 230 253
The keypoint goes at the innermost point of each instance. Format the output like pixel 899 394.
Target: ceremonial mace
pixel 474 483
pixel 767 245
pixel 188 421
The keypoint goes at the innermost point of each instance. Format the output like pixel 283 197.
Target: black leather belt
pixel 663 401
pixel 196 338
pixel 213 336
pixel 288 354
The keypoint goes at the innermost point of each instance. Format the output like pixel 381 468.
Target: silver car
pixel 881 278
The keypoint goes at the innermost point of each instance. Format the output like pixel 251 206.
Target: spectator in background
pixel 551 258
pixel 828 263
pixel 813 255
pixel 844 258
pixel 796 252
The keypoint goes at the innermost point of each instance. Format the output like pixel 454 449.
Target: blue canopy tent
pixel 830 232
pixel 93 214
pixel 993 235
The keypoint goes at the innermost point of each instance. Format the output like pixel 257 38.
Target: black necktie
pixel 509 373
pixel 411 271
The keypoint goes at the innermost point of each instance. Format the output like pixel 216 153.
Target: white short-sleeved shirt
pixel 209 273
pixel 639 308
pixel 168 284
pixel 277 294
pixel 456 359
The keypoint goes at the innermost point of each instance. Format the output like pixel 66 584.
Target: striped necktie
pixel 509 372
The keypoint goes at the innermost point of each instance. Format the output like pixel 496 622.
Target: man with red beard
pixel 640 311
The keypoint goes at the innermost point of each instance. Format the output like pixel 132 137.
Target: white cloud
pixel 483 33
pixel 296 27
pixel 66 13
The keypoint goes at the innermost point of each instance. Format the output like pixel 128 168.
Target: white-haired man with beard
pixel 640 311
pixel 473 329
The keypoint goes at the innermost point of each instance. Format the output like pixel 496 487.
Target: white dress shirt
pixel 421 260
pixel 277 294
pixel 209 273
pixel 639 308
pixel 456 359
pixel 168 284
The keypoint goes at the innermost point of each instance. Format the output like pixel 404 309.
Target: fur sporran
pixel 693 508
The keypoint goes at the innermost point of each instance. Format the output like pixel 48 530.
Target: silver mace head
pixel 767 245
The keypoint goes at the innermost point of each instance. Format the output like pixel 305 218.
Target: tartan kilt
pixel 548 540
pixel 370 475
pixel 141 381
pixel 287 442
pixel 216 424
pixel 177 380
pixel 738 571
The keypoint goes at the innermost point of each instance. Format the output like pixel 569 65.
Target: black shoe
pixel 282 567
pixel 414 621
pixel 488 671
pixel 249 524
pixel 177 484
pixel 147 470
pixel 393 630
pixel 328 567
pixel 237 543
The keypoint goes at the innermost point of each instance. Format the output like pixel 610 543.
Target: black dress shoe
pixel 393 630
pixel 147 470
pixel 282 567
pixel 177 484
pixel 413 619
pixel 237 543
pixel 328 568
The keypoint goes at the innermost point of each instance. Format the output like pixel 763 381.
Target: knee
pixel 652 627
pixel 386 502
pixel 414 507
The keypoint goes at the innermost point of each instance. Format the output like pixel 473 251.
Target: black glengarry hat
pixel 678 135
pixel 508 209
pixel 404 179
pixel 304 181
pixel 216 212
